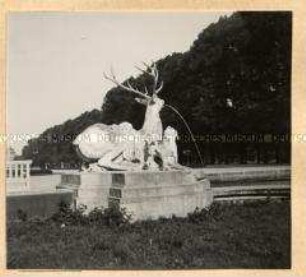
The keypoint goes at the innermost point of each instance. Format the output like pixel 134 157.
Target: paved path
pixel 242 168
pixel 48 183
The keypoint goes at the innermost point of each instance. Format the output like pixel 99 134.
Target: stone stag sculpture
pixel 121 147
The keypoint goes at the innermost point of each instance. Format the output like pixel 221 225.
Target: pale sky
pixel 56 60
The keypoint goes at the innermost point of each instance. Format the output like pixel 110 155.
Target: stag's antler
pixel 127 87
pixel 151 70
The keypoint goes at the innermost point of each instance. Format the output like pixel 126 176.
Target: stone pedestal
pixel 90 189
pixel 145 194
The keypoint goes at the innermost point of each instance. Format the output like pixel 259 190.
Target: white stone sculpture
pixel 121 147
pixel 169 148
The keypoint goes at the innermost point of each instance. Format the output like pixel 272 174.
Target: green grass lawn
pixel 249 235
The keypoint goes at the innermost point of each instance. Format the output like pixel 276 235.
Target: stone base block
pixel 90 189
pixel 145 194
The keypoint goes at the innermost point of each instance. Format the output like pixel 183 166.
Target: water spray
pixel 189 130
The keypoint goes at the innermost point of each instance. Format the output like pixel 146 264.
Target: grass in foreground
pixel 250 235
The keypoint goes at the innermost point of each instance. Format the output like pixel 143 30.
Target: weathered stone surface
pixel 146 194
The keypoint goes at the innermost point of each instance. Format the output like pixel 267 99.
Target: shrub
pixel 68 216
pixel 198 215
pixel 22 215
pixel 113 216
pixel 214 212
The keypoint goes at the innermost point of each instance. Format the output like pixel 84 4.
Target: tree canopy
pixel 235 79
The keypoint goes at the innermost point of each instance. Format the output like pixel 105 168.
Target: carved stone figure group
pixel 121 147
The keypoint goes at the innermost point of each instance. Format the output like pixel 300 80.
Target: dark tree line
pixel 234 80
